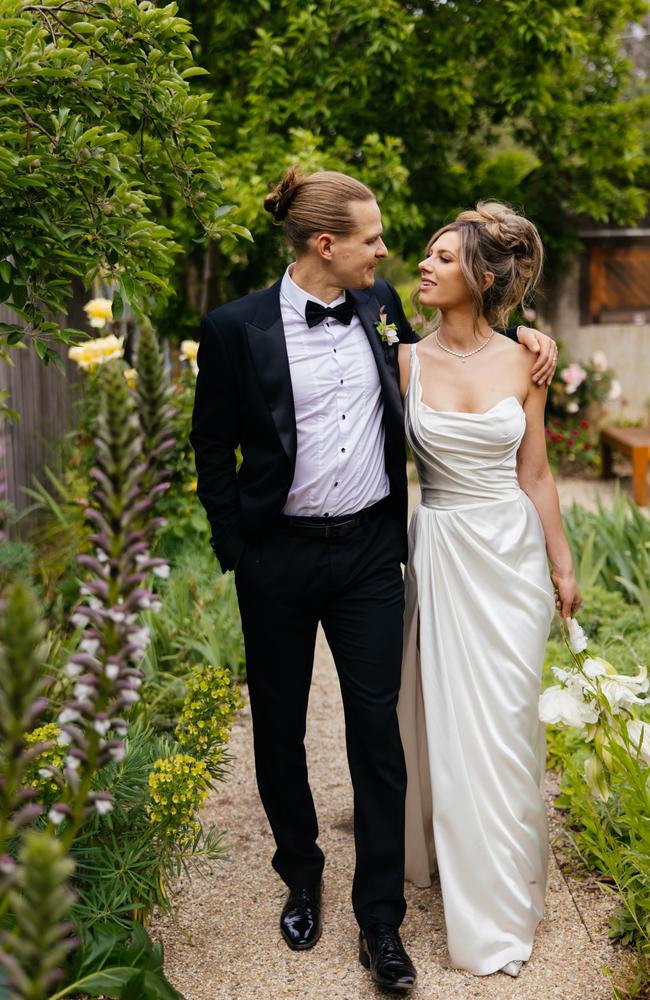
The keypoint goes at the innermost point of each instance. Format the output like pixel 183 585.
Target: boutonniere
pixel 387 331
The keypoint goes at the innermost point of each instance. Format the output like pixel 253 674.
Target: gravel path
pixel 223 940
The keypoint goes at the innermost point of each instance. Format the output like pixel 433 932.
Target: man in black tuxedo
pixel 300 378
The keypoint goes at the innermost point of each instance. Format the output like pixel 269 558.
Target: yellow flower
pixel 96 352
pixel 208 711
pixel 131 377
pixel 178 787
pixel 188 352
pixel 54 756
pixel 99 312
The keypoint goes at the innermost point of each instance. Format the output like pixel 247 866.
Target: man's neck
pixel 315 282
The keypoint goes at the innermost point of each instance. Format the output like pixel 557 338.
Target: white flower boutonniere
pixel 387 331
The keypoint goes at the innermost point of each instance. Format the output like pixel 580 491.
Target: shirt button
pixel 341 381
pixel 334 349
pixel 336 484
pixel 343 417
pixel 342 449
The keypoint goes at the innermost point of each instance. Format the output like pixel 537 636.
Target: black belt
pixel 330 527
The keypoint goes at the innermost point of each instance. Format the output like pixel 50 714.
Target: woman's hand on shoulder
pixel 544 351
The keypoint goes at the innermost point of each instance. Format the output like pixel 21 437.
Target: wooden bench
pixel 634 442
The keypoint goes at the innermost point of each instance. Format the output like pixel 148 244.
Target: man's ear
pixel 323 245
pixel 488 280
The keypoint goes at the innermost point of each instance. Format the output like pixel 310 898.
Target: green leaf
pixel 128 287
pixel 109 981
pixel 187 74
pixel 6 272
pixel 118 305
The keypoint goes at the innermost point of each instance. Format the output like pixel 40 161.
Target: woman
pixel 479 600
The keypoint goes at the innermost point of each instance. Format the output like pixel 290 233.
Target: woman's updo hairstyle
pixel 317 203
pixel 493 237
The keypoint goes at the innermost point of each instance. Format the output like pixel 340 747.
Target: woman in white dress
pixel 479 599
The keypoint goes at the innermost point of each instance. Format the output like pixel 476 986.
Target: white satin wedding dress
pixel 479 603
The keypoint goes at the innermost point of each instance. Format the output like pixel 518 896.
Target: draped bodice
pixel 463 459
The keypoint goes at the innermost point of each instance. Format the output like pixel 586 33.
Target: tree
pixel 99 132
pixel 433 104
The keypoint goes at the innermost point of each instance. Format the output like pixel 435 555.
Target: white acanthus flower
pixel 73 669
pixel 117 753
pixel 162 570
pixel 103 806
pixel 102 726
pixel 79 619
pixel 72 762
pixel 89 646
pixel 56 816
pixel 83 692
pixel 559 704
pixel 140 637
pixel 577 636
pixel 64 739
pixel 112 671
pixel 130 696
pixel 68 715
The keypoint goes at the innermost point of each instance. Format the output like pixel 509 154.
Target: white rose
pixel 558 704
pixel 615 391
pixel 599 361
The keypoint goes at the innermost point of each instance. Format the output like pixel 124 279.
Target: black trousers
pixel 352 584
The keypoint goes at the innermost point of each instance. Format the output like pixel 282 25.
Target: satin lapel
pixel 269 351
pixel 368 312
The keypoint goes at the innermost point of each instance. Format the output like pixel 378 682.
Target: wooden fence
pixel 43 397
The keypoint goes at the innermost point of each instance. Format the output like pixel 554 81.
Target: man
pixel 303 378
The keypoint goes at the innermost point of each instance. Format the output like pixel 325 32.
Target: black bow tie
pixel 315 313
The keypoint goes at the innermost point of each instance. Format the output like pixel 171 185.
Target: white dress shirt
pixel 340 466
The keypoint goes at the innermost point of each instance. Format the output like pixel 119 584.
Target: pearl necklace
pixel 458 354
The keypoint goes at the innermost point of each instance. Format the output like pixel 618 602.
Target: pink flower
pixel 573 376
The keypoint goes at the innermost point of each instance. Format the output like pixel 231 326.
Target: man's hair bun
pixel 280 198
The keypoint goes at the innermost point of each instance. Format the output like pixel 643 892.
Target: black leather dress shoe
pixel 381 951
pixel 300 921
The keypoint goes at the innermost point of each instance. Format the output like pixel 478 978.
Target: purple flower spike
pixel 37 708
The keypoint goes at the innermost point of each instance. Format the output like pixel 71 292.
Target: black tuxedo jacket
pixel 244 399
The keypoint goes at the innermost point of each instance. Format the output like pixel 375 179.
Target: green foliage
pixel 119 962
pixel 40 902
pixel 22 701
pixel 612 548
pixel 433 105
pixel 99 129
pixel 608 831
